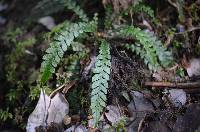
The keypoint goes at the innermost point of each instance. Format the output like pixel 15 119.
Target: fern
pixel 47 7
pixel 100 81
pixel 149 48
pixel 140 7
pixel 69 68
pixel 108 17
pixel 61 43
pixel 5 114
pixel 70 4
pixel 180 8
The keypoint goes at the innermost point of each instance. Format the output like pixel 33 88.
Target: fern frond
pixel 180 8
pixel 149 48
pixel 58 28
pixel 47 7
pixel 71 4
pixel 100 81
pixel 71 63
pixel 140 7
pixel 60 44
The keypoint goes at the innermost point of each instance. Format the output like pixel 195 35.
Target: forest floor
pixel 138 99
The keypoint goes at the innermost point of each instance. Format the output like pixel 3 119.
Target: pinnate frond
pixel 60 44
pixel 151 49
pixel 100 81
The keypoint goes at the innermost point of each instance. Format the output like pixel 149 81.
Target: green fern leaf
pixel 60 44
pixel 140 7
pixel 100 81
pixel 47 7
pixel 70 4
pixel 148 47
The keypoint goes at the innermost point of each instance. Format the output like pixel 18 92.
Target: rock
pixel 190 121
pixel 138 108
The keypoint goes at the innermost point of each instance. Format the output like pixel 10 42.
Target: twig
pixel 64 88
pixel 189 85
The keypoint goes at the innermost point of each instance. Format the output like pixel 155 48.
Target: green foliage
pixel 193 12
pixel 136 2
pixel 148 47
pixel 61 43
pixel 47 7
pixel 16 54
pixel 15 68
pixel 180 72
pixel 180 6
pixel 120 125
pixel 70 4
pixel 69 68
pixel 5 115
pixel 11 35
pixel 58 28
pixel 108 17
pixel 15 94
pixel 198 48
pixel 68 37
pixel 35 92
pixel 140 7
pixel 100 80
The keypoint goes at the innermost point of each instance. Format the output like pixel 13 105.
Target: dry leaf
pixel 38 116
pixel 59 107
pixel 113 114
pixel 48 110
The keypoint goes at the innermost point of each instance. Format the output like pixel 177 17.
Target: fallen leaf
pixel 113 114
pixel 48 111
pixel 38 116
pixel 59 107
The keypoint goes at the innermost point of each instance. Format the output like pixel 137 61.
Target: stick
pixel 189 85
pixel 64 88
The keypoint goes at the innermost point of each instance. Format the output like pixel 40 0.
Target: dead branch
pixel 188 85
